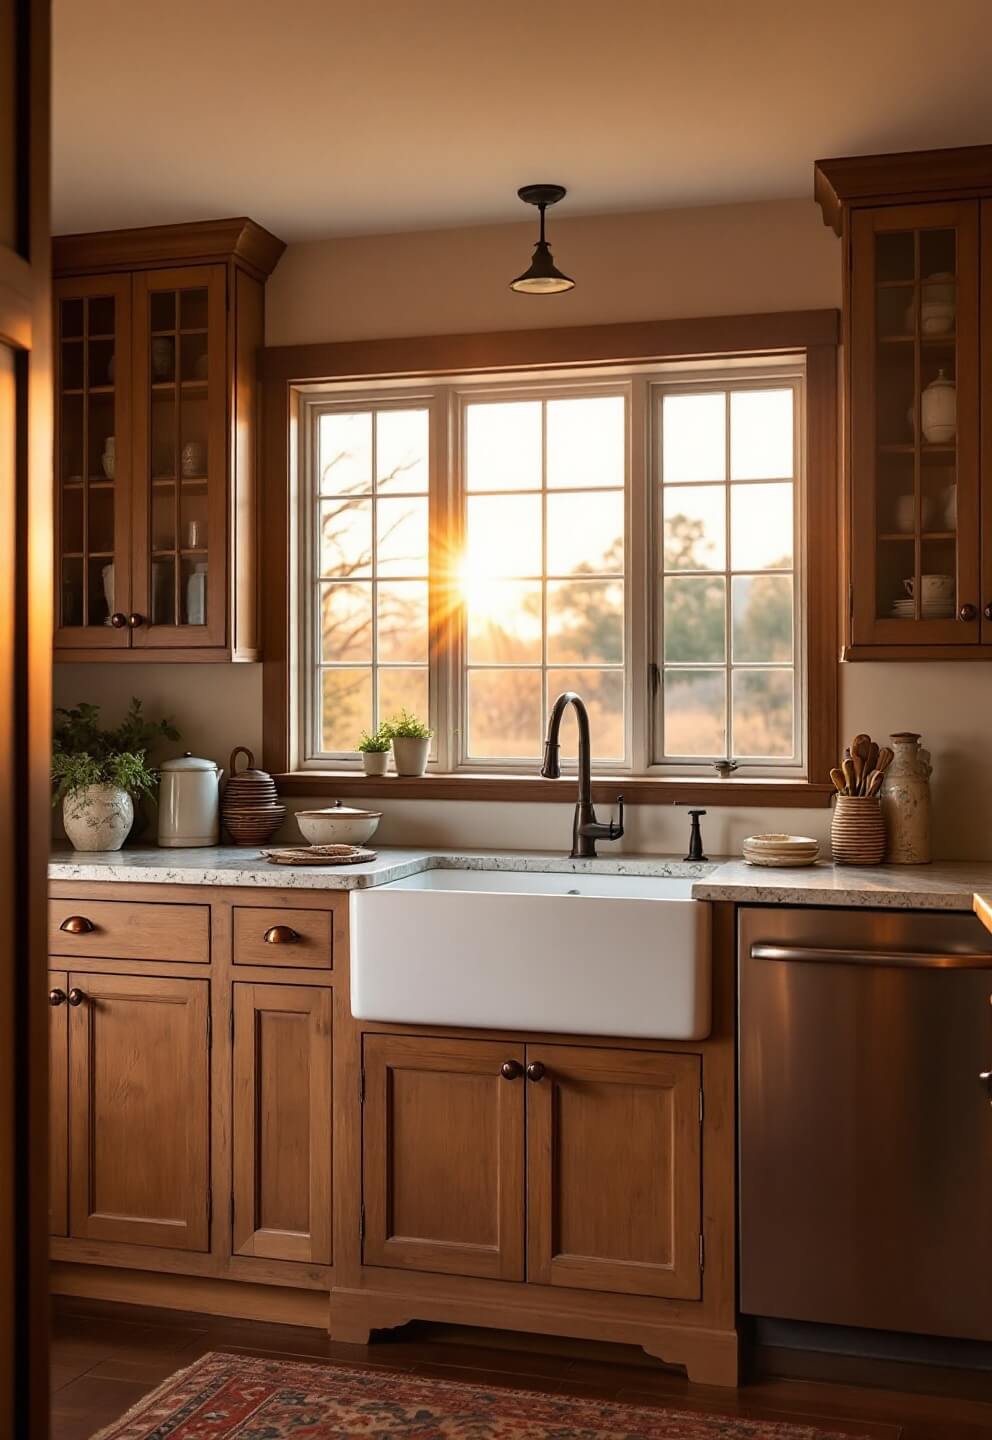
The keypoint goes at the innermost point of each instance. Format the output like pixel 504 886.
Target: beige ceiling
pixel 319 117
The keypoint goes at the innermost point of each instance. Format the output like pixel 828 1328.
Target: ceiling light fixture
pixel 543 276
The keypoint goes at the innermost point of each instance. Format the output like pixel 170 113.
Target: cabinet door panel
pixel 93 462
pixel 58 1108
pixel 914 424
pixel 282 1121
pixel 443 1156
pixel 139 1110
pixel 986 371
pixel 613 1171
pixel 180 435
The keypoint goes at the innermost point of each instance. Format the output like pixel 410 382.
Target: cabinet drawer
pixel 303 939
pixel 126 930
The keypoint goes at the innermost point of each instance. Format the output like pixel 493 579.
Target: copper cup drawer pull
pixel 281 935
pixel 76 997
pixel 56 997
pixel 77 925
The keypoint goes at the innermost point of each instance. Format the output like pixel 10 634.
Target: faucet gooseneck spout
pixel 586 829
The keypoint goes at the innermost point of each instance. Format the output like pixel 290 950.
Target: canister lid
pixel 188 762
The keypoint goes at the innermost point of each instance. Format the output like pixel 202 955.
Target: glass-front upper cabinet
pixel 180 457
pixel 914 533
pixel 92 462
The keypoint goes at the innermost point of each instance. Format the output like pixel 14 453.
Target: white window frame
pixel 447 399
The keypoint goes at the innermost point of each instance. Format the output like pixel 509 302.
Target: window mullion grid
pixel 639 565
pixel 728 561
pixel 544 575
pixel 374 569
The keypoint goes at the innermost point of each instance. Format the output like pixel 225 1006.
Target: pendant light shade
pixel 542 277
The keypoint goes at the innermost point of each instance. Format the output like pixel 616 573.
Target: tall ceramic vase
pixel 98 817
pixel 906 802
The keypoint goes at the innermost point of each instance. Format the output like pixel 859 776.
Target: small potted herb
pixel 374 749
pixel 411 743
pixel 98 774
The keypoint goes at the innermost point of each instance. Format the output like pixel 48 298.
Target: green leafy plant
pixel 406 726
pixel 378 742
pixel 84 754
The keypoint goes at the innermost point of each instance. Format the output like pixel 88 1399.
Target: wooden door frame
pixel 25 726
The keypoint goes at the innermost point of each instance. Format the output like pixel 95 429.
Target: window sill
pixel 706 790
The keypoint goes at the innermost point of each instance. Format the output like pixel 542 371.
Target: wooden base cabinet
pixel 282 1122
pixel 443 1155
pixel 593 1153
pixel 139 1122
pixel 613 1171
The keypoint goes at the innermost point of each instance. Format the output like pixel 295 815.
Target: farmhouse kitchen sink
pixel 589 954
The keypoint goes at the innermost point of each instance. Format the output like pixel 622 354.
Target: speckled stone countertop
pixel 230 865
pixel 945 885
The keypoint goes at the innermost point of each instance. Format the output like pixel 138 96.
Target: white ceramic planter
pixel 410 754
pixel 375 762
pixel 98 818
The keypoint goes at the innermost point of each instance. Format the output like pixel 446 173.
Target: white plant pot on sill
pixel 98 817
pixel 375 762
pixel 410 754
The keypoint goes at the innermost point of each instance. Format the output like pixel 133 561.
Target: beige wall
pixel 718 260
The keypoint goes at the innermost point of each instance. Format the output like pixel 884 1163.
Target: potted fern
pixel 411 743
pixel 98 773
pixel 374 749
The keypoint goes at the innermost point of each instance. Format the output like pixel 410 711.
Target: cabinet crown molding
pixel 907 177
pixel 201 242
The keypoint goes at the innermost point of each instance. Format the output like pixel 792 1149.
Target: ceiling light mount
pixel 542 277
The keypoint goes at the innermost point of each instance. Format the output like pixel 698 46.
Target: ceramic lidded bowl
pixel 338 825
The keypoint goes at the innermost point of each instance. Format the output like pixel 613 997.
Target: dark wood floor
pixel 106 1357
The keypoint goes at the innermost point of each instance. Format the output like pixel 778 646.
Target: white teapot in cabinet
pixel 189 802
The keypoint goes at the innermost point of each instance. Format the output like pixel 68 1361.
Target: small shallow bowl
pixel 338 825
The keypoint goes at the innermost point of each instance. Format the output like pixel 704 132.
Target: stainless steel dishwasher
pixel 865 1122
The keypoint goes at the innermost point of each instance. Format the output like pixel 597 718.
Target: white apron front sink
pixel 587 954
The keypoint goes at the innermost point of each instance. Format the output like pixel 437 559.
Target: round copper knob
pixel 535 1071
pixel 56 997
pixel 135 620
pixel 281 935
pixel 77 925
pixel 511 1069
pixel 968 612
pixel 987 612
pixel 76 997
pixel 118 620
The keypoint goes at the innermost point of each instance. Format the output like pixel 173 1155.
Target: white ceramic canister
pixel 906 802
pixel 189 802
pixel 939 410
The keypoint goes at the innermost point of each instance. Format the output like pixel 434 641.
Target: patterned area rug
pixel 237 1397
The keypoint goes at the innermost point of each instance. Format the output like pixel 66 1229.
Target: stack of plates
pixel 931 610
pixel 781 850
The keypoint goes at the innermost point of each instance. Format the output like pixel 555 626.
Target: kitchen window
pixel 469 549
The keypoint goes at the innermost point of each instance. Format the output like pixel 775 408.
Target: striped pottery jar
pixel 857 831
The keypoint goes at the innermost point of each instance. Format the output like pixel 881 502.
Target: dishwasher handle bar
pixel 895 959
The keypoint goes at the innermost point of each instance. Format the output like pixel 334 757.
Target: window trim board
pixel 814 332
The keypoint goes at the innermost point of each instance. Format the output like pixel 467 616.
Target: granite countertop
pixel 945 885
pixel 231 865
